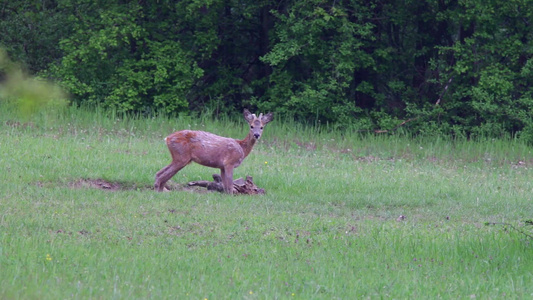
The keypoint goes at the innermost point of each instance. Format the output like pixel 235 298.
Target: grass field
pixel 327 228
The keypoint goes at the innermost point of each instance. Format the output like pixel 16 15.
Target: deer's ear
pixel 267 118
pixel 248 116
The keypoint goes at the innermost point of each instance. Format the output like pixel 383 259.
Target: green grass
pixel 326 229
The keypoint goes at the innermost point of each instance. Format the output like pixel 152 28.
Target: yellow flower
pixel 48 257
pixel 266 162
pixel 251 292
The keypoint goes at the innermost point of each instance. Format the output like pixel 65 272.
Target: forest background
pixel 453 67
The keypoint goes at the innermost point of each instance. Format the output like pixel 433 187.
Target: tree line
pixel 461 67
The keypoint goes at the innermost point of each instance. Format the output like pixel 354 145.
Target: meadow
pixel 346 215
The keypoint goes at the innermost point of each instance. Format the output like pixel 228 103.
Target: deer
pixel 211 150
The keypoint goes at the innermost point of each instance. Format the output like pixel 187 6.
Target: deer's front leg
pixel 227 180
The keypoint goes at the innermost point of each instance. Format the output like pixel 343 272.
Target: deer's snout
pixel 257 135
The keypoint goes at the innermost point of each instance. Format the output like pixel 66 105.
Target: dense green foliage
pixel 435 66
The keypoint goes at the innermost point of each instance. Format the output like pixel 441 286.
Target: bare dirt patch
pixel 105 185
pixel 240 186
pixel 97 184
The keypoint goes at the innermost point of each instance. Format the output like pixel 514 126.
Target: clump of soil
pixel 240 186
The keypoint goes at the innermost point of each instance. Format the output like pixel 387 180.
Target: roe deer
pixel 211 150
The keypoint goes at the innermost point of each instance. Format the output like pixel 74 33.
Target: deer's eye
pixel 261 127
pixel 252 127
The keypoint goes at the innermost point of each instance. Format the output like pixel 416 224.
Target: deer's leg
pixel 158 185
pixel 223 177
pixel 227 180
pixel 161 171
pixel 165 174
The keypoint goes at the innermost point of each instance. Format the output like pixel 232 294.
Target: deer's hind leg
pixel 166 173
pixel 161 171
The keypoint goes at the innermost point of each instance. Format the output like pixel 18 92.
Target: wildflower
pixel 266 162
pixel 251 293
pixel 48 257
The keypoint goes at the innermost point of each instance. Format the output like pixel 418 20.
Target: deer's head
pixel 257 123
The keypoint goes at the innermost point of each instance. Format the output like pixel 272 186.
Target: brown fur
pixel 211 150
